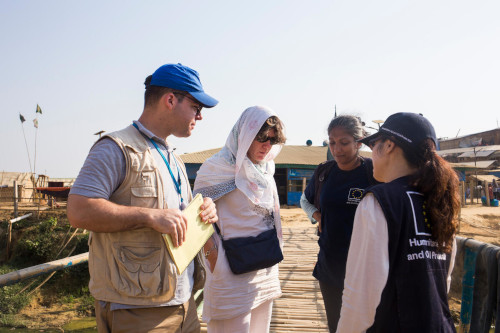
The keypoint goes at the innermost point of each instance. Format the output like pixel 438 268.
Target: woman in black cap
pixel 402 247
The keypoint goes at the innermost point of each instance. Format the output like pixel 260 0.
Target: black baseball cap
pixel 407 129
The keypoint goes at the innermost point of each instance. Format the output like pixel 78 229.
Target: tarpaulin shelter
pixel 24 186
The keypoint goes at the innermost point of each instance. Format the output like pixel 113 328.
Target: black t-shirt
pixel 340 196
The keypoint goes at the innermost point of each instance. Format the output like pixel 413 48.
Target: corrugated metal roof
pixel 290 155
pixel 198 157
pixel 488 178
pixel 301 155
pixel 471 165
pixel 463 150
pixel 482 153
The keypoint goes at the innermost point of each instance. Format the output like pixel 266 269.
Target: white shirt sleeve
pixel 308 207
pixel 367 267
pixel 452 263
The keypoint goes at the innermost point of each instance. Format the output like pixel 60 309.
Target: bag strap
pixel 319 180
pixel 220 234
pixel 218 230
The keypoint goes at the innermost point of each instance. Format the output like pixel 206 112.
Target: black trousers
pixel 332 297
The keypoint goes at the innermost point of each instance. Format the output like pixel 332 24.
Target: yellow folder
pixel 197 234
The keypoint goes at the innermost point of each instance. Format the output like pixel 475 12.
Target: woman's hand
pixel 208 211
pixel 210 251
pixel 317 216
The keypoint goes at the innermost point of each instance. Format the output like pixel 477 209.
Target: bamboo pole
pixel 9 238
pixel 487 193
pixel 9 233
pixel 15 199
pixel 471 195
pixel 26 273
pixel 462 193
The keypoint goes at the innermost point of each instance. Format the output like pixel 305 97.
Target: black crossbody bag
pixel 246 254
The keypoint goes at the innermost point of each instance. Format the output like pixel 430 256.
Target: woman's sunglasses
pixel 272 140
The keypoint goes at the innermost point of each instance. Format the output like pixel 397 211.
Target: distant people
pixel 131 190
pixel 480 190
pixel 240 180
pixel 490 192
pixel 496 189
pixel 331 197
pixel 403 241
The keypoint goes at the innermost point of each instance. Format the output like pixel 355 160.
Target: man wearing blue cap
pixel 131 190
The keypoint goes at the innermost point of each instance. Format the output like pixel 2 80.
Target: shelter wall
pixel 487 138
pixel 7 194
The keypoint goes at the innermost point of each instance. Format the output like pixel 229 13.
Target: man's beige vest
pixel 134 267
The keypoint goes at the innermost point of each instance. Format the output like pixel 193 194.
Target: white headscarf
pixel 230 168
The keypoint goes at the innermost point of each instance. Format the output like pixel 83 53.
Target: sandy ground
pixel 476 221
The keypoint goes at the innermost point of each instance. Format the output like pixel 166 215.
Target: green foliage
pixel 11 301
pixel 47 225
pixel 86 307
pixel 9 320
pixel 39 244
pixel 82 243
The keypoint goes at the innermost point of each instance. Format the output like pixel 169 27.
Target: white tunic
pixel 227 295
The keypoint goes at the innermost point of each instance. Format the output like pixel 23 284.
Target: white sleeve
pixel 367 267
pixel 452 263
pixel 308 207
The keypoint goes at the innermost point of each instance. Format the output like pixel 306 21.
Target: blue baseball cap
pixel 179 77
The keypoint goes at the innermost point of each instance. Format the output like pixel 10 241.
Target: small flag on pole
pixel 38 109
pixel 22 118
pixel 35 122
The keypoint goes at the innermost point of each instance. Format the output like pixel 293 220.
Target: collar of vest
pixel 130 137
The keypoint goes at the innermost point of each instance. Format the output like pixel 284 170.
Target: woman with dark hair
pixel 331 198
pixel 240 180
pixel 402 247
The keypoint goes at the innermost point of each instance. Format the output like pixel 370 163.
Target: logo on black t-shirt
pixel 355 195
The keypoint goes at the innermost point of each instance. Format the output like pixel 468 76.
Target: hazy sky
pixel 85 62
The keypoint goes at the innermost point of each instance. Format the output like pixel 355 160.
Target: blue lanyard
pixel 177 182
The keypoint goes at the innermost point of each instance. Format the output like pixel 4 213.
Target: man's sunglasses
pixel 198 106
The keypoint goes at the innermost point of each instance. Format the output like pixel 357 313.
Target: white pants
pixel 256 321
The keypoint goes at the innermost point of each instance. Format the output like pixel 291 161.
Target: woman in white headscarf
pixel 240 180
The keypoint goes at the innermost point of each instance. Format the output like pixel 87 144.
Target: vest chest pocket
pixel 138 272
pixel 144 191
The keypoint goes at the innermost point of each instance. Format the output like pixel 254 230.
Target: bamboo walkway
pixel 300 308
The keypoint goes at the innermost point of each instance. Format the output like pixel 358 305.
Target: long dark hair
pixel 352 124
pixel 438 182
